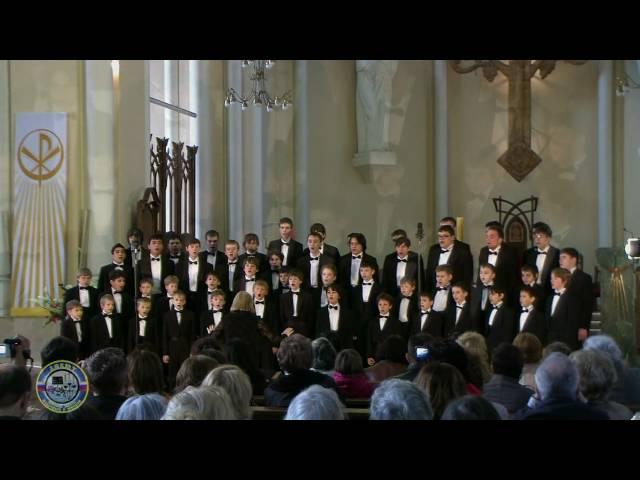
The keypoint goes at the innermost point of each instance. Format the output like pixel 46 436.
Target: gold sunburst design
pixel 48 160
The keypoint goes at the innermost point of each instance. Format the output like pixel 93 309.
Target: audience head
pixel 324 355
pixel 15 390
pixel 316 403
pixel 507 360
pixel 442 383
pixel 150 406
pixel 396 399
pixel 193 371
pixel 557 377
pixel 295 353
pixel 202 403
pixel 243 302
pixel 450 352
pixel 237 384
pixel 559 347
pixel 474 343
pixel 393 349
pixel 422 341
pixel 606 344
pixel 530 346
pixel 349 362
pixel 59 348
pixel 107 371
pixel 205 343
pixel 470 407
pixel 597 374
pixel 145 372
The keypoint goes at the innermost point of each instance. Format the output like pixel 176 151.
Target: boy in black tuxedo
pixel 459 318
pixel 135 238
pixel 363 303
pixel 175 247
pixel 336 318
pixel 212 318
pixel 84 293
pixel 272 277
pixel 442 295
pixel 251 244
pixel 349 266
pixel 143 328
pixel 505 260
pixel 500 323
pixel 179 332
pixel 563 311
pixel 580 286
pixel 156 265
pixel 212 255
pixel 326 249
pixel 530 319
pixel 408 304
pixel 452 222
pixel 329 277
pixel 428 320
pixel 230 269
pixel 124 304
pixel 296 307
pixel 480 304
pixel 192 271
pixel 75 328
pixel 267 311
pixel 448 252
pixel 213 283
pixel 381 326
pixel 290 249
pixel 106 327
pixel 529 275
pixel 247 282
pixel 164 301
pixel 312 262
pixel 118 262
pixel 543 255
pixel 402 263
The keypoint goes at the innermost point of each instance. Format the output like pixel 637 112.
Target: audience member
pixel 201 403
pixel 316 403
pixel 150 406
pixel 350 377
pixel 397 399
pixel 107 371
pixel 237 384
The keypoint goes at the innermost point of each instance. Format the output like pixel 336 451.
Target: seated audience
pixel 316 403
pixel 193 371
pixel 597 378
pixel 559 347
pixel 150 406
pixel 200 403
pixel 324 356
pixel 350 377
pixel 107 371
pixel 476 347
pixel 418 354
pixel 15 392
pixel 531 348
pixel 237 384
pixel 470 407
pixel 397 399
pixel 443 383
pixel 145 373
pixel 391 359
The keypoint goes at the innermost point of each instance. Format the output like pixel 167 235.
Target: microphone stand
pixel 135 253
pixel 419 236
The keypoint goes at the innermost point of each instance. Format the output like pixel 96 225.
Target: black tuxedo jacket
pixel 220 258
pixel 99 337
pixel 240 283
pixel 207 319
pixel 223 273
pixel 128 307
pixel 451 303
pixel 541 297
pixel 167 268
pixel 503 328
pixel 304 264
pixel 376 336
pixel 535 324
pixel 477 313
pixel 413 310
pixel 581 287
pixel 460 260
pixel 103 280
pixel 563 325
pixel 465 323
pixel 295 251
pixel 271 315
pixel 182 272
pixel 344 269
pixel 177 338
pixel 364 311
pixel 389 282
pixel 507 271
pixel 263 263
pixel 346 327
pixel 433 325
pixel 68 329
pixel 94 300
pixel 551 261
pixel 304 322
pixel 152 335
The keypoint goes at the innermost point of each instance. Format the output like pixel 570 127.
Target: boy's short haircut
pixel 180 293
pixel 105 297
pixel 211 234
pixel 496 227
pixel 399 232
pixel 450 220
pixel 562 273
pixel 193 241
pixel 115 274
pixel 212 273
pixel 329 266
pixel 232 242
pixel 147 280
pixel 316 235
pixel 252 261
pixel 296 272
pixel 336 288
pixel 366 263
pixel 218 292
pixel 285 269
pixel 426 294
pixel 71 304
pixel 285 220
pixel 84 272
pixel 386 297
pixel 408 280
pixel 142 300
pixel 461 286
pixel 489 266
pixel 572 252
pixel 318 228
pixel 498 289
pixel 528 290
pixel 529 269
pixel 171 279
pixel 263 284
pixel 117 245
pixel 276 253
pixel 156 236
pixel 249 237
pixel 403 241
pixel 541 227
pixel 447 229
pixel 444 268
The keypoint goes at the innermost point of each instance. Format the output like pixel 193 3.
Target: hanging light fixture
pixel 258 96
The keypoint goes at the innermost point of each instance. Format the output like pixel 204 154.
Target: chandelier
pixel 259 95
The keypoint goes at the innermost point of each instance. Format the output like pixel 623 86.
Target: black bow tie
pixel 193 262
pixel 233 263
pixel 259 302
pixel 314 259
pixel 142 318
pixel 295 293
pixel 83 288
pixel 557 293
pixel 118 264
pixel 540 252
pixel 155 259
pixel 493 252
pixel 356 256
pixel 210 292
pixel 425 312
pixel 384 316
pixel 408 298
pixel 367 283
pixel 249 280
pixel 115 292
pixel 524 310
pixel 216 311
pixel 460 306
pixel 283 242
pixel 439 289
pixel 177 311
pixel 495 307
pixel 402 260
pixel 333 307
pixel 445 251
pixel 77 321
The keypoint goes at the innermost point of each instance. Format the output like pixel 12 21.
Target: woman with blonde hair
pixel 201 403
pixel 237 384
pixel 531 349
pixel 476 347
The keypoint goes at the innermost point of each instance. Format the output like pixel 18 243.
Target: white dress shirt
pixel 403 314
pixel 117 297
pixel 485 295
pixel 444 257
pixel 78 329
pixel 211 258
pixel 249 283
pixel 523 317
pixel 493 259
pixel 217 318
pixel 232 271
pixel 383 322
pixel 493 313
pixel 540 259
pixel 334 317
pixel 284 249
pixel 296 298
pixel 84 297
pixel 459 310
pixel 366 290
pixel 142 326
pixel 275 280
pixel 401 268
pixel 440 300
pixel 355 269
pixel 109 322
pixel 556 299
pixel 313 272
pixel 259 308
pixel 156 272
pixel 424 316
pixel 179 316
pixel 193 275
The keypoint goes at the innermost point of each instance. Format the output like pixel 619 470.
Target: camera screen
pixel 422 353
pixel 4 351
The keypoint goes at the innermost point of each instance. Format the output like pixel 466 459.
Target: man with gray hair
pixel 316 403
pixel 597 377
pixel 627 389
pixel 397 399
pixel 557 382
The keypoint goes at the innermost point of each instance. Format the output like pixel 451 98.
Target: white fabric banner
pixel 39 206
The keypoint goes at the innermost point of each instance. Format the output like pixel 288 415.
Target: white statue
pixel 373 106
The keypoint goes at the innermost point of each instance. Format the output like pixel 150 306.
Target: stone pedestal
pixel 369 164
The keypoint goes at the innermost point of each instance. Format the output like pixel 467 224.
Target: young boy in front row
pixel 529 319
pixel 75 328
pixel 529 276
pixel 213 283
pixel 428 320
pixel 337 318
pixel 143 328
pixel 500 322
pixel 563 311
pixel 296 307
pixel 459 318
pixel 212 318
pixel 384 324
pixel 407 302
pixel 178 334
pixel 106 327
pixel 363 303
pixel 442 296
pixel 84 293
